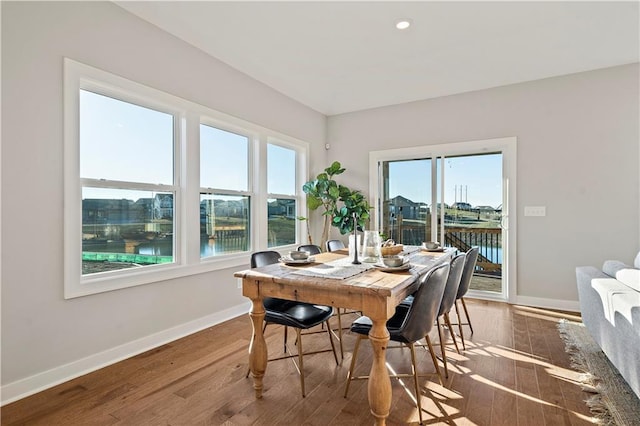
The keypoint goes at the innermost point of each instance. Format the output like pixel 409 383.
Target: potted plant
pixel 342 207
pixel 324 192
pixel 354 212
pixel 351 216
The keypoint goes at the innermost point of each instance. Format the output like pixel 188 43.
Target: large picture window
pixel 128 191
pixel 158 187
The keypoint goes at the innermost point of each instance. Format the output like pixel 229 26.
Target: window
pixel 128 191
pixel 281 186
pixel 157 187
pixel 224 197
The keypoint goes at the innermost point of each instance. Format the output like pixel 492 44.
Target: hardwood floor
pixel 514 372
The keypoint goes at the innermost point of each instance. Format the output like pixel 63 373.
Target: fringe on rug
pixel 588 382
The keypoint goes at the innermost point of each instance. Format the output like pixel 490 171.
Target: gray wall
pixel 577 154
pixel 41 330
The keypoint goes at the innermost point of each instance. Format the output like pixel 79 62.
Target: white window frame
pixel 188 117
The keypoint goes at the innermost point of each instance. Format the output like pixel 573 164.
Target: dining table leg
pixel 258 346
pixel 379 381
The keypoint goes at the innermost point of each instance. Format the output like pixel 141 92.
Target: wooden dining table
pixel 332 280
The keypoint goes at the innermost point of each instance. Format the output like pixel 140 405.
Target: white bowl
pixel 298 255
pixel 431 245
pixel 392 261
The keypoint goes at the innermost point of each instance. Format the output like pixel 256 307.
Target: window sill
pixel 100 283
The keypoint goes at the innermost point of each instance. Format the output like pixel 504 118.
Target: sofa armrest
pixel 611 267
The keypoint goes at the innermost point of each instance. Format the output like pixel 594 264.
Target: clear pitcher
pixel 371 247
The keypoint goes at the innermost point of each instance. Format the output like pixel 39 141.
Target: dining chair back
pixel 448 299
pixel 465 283
pixel 333 245
pixel 310 248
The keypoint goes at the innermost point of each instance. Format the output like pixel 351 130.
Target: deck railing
pixel 488 241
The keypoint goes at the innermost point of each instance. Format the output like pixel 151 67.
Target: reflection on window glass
pixel 281 224
pixel 281 170
pixel 223 159
pixel 124 142
pixel 224 224
pixel 125 229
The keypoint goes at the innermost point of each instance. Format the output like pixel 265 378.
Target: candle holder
pixel 355 240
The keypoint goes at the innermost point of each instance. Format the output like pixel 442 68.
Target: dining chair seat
pixel 295 314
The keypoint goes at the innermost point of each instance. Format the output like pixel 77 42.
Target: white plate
pixel 404 267
pixel 289 261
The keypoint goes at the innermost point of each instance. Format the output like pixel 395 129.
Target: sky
pixel 475 179
pixel 126 142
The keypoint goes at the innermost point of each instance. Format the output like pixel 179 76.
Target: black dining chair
pixel 314 249
pixel 289 313
pixel 465 282
pixel 409 324
pixel 310 248
pixel 333 245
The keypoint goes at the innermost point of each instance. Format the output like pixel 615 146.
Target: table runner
pixel 340 269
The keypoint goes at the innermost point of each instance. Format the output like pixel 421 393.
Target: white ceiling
pixel 338 57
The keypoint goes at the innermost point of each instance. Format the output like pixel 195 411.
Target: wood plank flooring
pixel 514 372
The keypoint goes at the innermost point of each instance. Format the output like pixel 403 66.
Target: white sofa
pixel 610 307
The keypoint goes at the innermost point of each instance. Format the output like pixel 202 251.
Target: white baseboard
pixel 41 381
pixel 540 302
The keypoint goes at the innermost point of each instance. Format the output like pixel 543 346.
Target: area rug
pixel 612 401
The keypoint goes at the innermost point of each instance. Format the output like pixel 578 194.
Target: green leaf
pixel 313 202
pixel 334 192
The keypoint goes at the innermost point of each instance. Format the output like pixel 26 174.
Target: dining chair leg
pixel 353 363
pixel 414 370
pixel 300 361
pixel 464 347
pixel 285 339
pixel 442 351
pixel 451 332
pixel 340 334
pixel 333 347
pixel 434 359
pixel 466 313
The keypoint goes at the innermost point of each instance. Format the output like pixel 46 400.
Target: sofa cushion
pixel 629 277
pixel 611 267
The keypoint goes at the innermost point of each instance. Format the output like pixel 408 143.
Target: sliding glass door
pixel 452 197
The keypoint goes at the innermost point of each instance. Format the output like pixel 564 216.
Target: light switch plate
pixel 535 211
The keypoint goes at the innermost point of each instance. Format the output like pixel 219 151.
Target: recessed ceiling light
pixel 403 24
